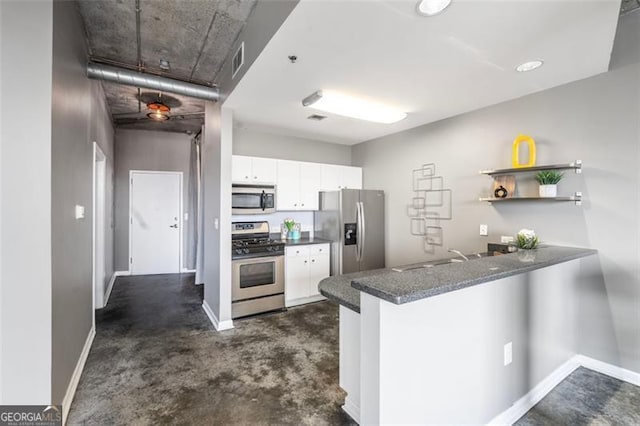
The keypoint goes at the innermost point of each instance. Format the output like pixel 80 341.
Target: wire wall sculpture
pixel 431 204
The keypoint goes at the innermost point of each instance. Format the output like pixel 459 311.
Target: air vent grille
pixel 238 60
pixel 317 117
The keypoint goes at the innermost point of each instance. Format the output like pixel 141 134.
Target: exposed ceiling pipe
pixel 139 45
pixel 148 81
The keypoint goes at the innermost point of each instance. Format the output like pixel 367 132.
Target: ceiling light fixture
pixel 431 7
pixel 159 111
pixel 529 66
pixel 349 106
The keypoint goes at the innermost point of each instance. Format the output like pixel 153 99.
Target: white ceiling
pixel 430 67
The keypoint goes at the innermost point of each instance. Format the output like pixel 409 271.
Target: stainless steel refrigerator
pixel 353 220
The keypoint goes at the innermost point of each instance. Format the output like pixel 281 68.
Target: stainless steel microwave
pixel 253 199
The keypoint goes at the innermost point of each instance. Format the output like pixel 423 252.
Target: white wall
pixel 25 197
pixel 595 120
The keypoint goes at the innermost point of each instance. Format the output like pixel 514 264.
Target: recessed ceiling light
pixel 431 7
pixel 529 66
pixel 349 106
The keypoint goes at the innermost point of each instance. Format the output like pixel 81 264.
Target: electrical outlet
pixel 506 239
pixel 484 230
pixel 508 353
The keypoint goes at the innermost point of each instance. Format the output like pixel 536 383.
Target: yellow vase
pixel 515 157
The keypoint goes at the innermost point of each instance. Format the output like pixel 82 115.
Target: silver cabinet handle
pixel 246 177
pixel 313 261
pixel 305 262
pixel 255 177
pixel 173 226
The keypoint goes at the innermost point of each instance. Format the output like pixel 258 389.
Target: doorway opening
pixel 99 223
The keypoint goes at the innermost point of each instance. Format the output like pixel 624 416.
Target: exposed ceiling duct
pixel 148 81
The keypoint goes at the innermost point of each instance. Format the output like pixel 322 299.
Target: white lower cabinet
pixel 305 267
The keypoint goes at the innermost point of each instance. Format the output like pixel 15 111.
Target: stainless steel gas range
pixel 257 271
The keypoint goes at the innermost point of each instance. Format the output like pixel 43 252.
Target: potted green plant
pixel 527 239
pixel 548 180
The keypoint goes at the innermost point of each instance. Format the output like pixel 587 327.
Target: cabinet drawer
pixel 297 251
pixel 319 249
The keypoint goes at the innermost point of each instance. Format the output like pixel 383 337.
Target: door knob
pixel 173 226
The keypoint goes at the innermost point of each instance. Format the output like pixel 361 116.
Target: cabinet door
pixel 288 185
pixel 351 177
pixel 263 170
pixel 310 175
pixel 318 270
pixel 296 278
pixel 240 169
pixel 330 177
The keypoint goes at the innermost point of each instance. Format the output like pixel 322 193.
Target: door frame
pixel 180 215
pixel 99 178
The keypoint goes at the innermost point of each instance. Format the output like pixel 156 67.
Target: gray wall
pixel 78 118
pixel 145 150
pixel 25 218
pixel 595 120
pixel 257 143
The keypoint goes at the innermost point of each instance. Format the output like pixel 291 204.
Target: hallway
pixel 157 359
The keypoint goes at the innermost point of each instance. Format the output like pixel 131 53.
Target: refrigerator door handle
pixel 358 221
pixel 361 235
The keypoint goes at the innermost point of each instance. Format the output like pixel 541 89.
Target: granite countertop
pixel 416 284
pixel 338 288
pixel 303 241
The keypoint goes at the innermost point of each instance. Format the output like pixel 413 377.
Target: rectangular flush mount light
pixel 349 106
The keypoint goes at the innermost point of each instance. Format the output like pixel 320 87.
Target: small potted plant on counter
pixel 527 240
pixel 548 180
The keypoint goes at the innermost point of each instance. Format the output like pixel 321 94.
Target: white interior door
pixel 155 226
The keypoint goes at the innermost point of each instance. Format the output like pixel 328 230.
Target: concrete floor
pixel 156 359
pixel 587 398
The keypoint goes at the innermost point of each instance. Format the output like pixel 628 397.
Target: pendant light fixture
pixel 159 110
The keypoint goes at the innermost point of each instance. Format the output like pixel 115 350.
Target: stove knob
pixel 245 251
pixel 238 251
pixel 269 248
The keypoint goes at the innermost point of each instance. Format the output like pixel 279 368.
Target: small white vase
pixel 547 191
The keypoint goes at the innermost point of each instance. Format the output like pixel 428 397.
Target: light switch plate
pixel 508 353
pixel 79 212
pixel 484 230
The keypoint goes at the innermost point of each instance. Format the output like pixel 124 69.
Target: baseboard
pixel 187 271
pixel 304 300
pixel 352 409
pixel 219 325
pixel 109 289
pixel 122 273
pixel 609 369
pixel 528 401
pixel 75 377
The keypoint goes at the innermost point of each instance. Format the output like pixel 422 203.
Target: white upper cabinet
pixel 297 185
pixel 263 170
pixel 253 170
pixel 351 177
pixel 288 185
pixel 336 177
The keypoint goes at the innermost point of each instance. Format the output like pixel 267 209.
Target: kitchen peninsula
pixel 417 345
